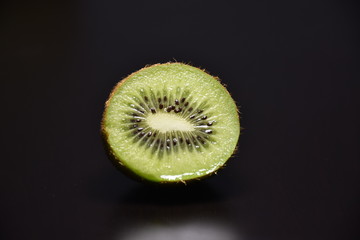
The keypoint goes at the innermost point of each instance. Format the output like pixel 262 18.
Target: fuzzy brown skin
pixel 118 162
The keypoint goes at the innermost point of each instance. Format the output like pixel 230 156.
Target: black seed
pixel 187 103
pixel 169 109
pixel 153 110
pixel 149 134
pixel 208 131
pixel 161 145
pixel 158 141
pixel 134 114
pixel 177 102
pixel 192 116
pixel 200 111
pixel 172 107
pixel 174 141
pixel 168 143
pixel 140 129
pixel 138 120
pixel 210 123
pixel 135 126
pixel 159 100
pixel 155 134
pixel 190 109
pixel 178 110
pixel 146 98
pixel 142 134
pixel 165 98
pixel 183 100
pixel 140 110
pixel 132 120
pixel 161 106
pixel 181 139
pixel 200 140
pixel 204 117
pixel 187 141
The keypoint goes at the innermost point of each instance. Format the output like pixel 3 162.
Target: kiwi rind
pixel 117 162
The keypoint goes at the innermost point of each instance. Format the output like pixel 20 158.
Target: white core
pixel 167 122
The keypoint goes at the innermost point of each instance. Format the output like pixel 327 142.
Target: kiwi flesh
pixel 169 123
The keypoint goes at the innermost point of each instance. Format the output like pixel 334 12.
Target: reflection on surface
pixel 193 212
pixel 206 230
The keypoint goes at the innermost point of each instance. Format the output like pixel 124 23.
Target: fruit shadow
pixel 112 187
pixel 200 192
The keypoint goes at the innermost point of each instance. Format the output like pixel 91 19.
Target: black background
pixel 292 67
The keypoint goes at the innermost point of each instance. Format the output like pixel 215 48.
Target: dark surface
pixel 292 66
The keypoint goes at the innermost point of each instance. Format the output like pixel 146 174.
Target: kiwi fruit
pixel 170 123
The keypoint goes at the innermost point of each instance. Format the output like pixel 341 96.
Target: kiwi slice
pixel 170 123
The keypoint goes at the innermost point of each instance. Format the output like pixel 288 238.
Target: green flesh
pixel 170 123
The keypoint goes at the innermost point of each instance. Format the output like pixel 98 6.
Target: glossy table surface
pixel 292 67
